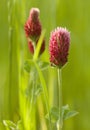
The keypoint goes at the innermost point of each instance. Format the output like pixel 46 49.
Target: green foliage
pixel 54 114
pixel 37 65
pixel 66 113
pixel 9 124
pixel 12 126
pixel 30 63
pixel 43 65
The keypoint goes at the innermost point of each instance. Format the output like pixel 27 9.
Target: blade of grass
pixel 37 50
pixel 45 92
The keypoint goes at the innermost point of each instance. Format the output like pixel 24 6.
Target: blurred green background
pixel 72 14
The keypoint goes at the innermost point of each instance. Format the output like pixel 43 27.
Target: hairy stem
pixel 60 121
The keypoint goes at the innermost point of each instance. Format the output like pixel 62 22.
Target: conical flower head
pixel 59 46
pixel 33 26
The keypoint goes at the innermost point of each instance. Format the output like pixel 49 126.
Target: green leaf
pixel 28 64
pixel 66 113
pixel 54 115
pixel 66 107
pixel 70 114
pixel 9 124
pixel 64 110
pixel 43 65
pixel 38 90
pixel 19 125
pixel 37 50
pixel 44 87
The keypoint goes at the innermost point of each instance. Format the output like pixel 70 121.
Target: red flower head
pixel 31 47
pixel 33 26
pixel 59 46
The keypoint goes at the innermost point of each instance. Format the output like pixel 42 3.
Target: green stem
pixel 30 110
pixel 60 121
pixel 45 91
pixel 10 49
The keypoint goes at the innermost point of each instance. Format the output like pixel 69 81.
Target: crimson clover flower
pixel 33 26
pixel 33 30
pixel 59 46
